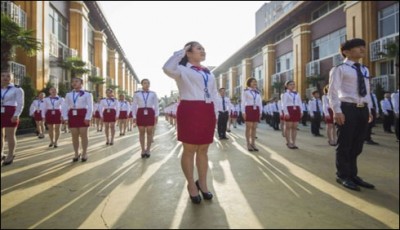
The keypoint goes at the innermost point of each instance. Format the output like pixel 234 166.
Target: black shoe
pixel 75 159
pixel 55 145
pixel 51 145
pixel 147 154
pixel 348 184
pixel 195 199
pixel 9 162
pixel 107 143
pixel 111 143
pixel 254 148
pixel 84 159
pixel 358 181
pixel 143 155
pixel 206 195
pixel 371 142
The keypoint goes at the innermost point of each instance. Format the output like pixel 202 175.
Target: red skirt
pixel 196 122
pixel 109 116
pixel 97 114
pixel 234 114
pixel 282 116
pixel 251 114
pixel 53 117
pixel 123 115
pixel 145 120
pixel 330 119
pixel 130 115
pixel 77 121
pixel 37 115
pixel 6 117
pixel 294 113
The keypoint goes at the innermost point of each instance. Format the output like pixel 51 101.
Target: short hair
pixel 248 82
pixel 80 79
pixel 288 82
pixel 349 44
pixel 144 79
pixel 221 88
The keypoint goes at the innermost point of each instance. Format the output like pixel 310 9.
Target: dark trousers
pixel 275 121
pixel 351 138
pixel 222 123
pixel 371 125
pixel 388 121
pixel 316 123
pixel 304 118
pixel 396 127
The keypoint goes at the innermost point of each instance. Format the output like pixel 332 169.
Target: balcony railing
pixel 337 59
pixel 378 47
pixel 53 45
pixel 14 12
pixel 282 76
pixel 19 72
pixel 313 68
pixel 65 52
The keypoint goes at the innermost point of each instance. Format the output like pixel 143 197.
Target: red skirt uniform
pixel 53 117
pixel 37 115
pixel 234 114
pixel 123 115
pixel 130 115
pixel 330 119
pixel 6 117
pixel 252 115
pixel 294 114
pixel 282 116
pixel 97 114
pixel 109 115
pixel 196 122
pixel 145 120
pixel 77 121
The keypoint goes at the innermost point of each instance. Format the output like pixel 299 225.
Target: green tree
pixel 30 94
pixel 278 85
pixel 14 36
pixel 75 66
pixel 97 81
pixel 62 89
pixel 316 82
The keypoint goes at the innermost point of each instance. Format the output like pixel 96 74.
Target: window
pixel 389 20
pixel 284 62
pixel 58 26
pixel 326 8
pixel 386 68
pixel 327 45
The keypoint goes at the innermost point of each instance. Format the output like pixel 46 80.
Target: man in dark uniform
pixel 351 104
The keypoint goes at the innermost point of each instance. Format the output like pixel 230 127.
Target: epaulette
pixel 17 86
pixel 339 64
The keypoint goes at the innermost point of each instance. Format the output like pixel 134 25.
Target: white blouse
pixel 124 106
pixel 36 106
pixel 13 96
pixel 191 83
pixel 251 98
pixel 290 99
pixel 51 103
pixel 145 99
pixel 78 100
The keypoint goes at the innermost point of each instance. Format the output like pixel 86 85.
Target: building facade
pixel 70 29
pixel 299 40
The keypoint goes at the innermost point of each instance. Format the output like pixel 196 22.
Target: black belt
pixel 355 105
pixel 223 111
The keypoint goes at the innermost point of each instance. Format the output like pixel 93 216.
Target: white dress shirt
pixel 385 106
pixel 325 105
pixel 83 100
pixel 51 103
pixel 290 99
pixel 252 98
pixel 191 83
pixel 220 106
pixel 13 96
pixel 96 107
pixel 109 103
pixel 312 106
pixel 124 106
pixel 274 107
pixel 343 85
pixel 35 106
pixel 145 99
pixel 395 102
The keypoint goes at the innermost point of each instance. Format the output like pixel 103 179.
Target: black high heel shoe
pixel 206 195
pixel 254 148
pixel 9 162
pixel 75 159
pixel 195 199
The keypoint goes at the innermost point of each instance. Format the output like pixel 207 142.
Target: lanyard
pixel 109 102
pixel 294 97
pixel 52 101
pixel 4 95
pixel 145 98
pixel 74 99
pixel 38 104
pixel 254 96
pixel 205 79
pixel 122 103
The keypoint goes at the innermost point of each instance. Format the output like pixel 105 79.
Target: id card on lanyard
pixel 294 100
pixel 145 111
pixel 254 99
pixel 205 76
pixel 109 104
pixel 3 109
pixel 52 101
pixel 74 99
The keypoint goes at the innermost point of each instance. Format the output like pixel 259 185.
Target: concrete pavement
pixel 274 188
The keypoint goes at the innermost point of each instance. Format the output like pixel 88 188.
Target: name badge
pixel 254 107
pixel 3 109
pixel 294 107
pixel 145 112
pixel 74 112
pixel 37 111
pixel 108 110
pixel 208 100
pixel 53 112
